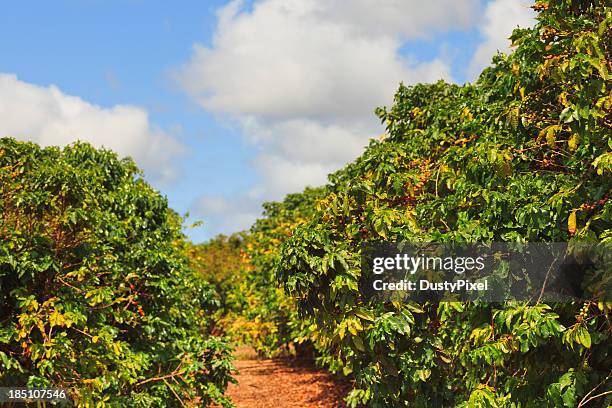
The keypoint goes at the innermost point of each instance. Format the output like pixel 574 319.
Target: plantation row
pixel 96 293
pixel 521 155
pixel 102 294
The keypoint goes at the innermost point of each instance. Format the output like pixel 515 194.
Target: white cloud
pixel 283 175
pixel 501 18
pixel 227 215
pixel 314 58
pixel 301 78
pixel 296 153
pixel 303 139
pixel 407 18
pixel 47 116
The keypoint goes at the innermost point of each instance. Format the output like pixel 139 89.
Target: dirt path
pixel 283 383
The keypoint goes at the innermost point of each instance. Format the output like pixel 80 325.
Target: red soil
pixel 280 383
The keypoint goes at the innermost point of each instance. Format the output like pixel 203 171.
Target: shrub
pixel 521 155
pixel 95 293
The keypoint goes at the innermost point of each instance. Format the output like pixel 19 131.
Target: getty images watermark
pixel 490 272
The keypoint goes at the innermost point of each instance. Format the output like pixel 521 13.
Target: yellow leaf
pixel 117 348
pixel 571 222
pixel 56 318
pixel 572 143
pixel 94 339
pixel 41 326
pixel 34 305
pixel 549 133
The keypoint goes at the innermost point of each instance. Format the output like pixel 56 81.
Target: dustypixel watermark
pixel 491 272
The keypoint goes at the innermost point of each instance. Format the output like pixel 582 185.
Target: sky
pixel 228 104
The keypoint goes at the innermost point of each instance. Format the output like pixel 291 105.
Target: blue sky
pixel 226 105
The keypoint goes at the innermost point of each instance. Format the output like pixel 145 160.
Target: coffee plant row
pixel 523 154
pixel 96 293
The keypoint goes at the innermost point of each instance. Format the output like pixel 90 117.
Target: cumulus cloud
pixel 283 175
pixel 302 139
pixel 314 58
pixel 226 215
pixel 48 116
pixel 408 18
pixel 500 19
pixel 301 78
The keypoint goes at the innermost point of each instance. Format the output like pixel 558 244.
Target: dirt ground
pixel 281 383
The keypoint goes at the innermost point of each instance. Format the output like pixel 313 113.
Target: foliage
pixel 95 294
pixel 263 315
pixel 220 261
pixel 521 155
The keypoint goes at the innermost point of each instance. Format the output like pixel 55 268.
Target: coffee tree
pixel 95 293
pixel 263 315
pixel 521 155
